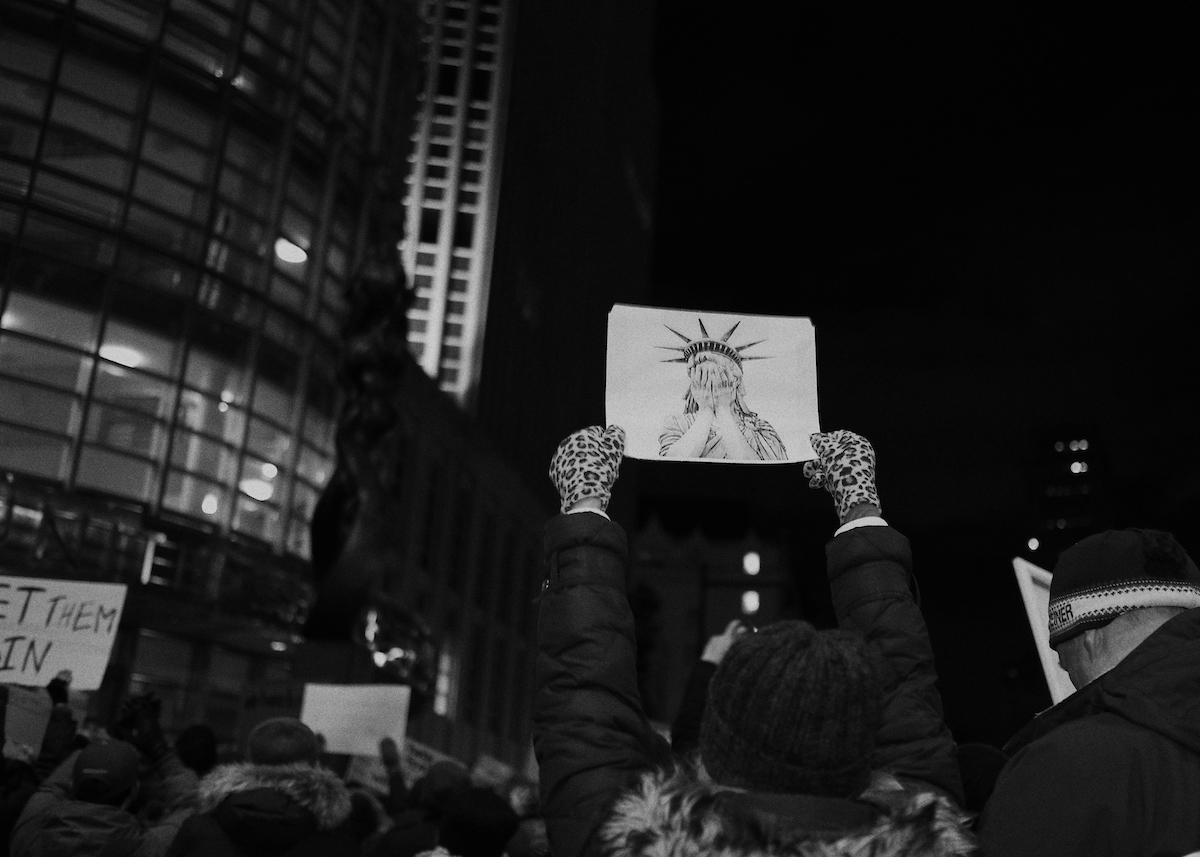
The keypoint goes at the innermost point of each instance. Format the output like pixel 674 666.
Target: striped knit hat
pixel 1105 575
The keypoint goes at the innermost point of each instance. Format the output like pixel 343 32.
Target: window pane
pixel 116 473
pixel 133 431
pixel 51 320
pixel 182 118
pixel 40 408
pixel 313 466
pixel 175 156
pixel 213 417
pixel 22 358
pixel 33 453
pixel 198 454
pixel 269 443
pixel 100 81
pixel 193 495
pixel 129 389
pixel 64 195
pixel 74 153
pixel 272 402
pixel 94 120
pixel 29 56
pixel 136 348
pixel 224 380
pixel 21 96
pixel 253 518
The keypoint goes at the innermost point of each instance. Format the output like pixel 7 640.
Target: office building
pixel 185 189
pixel 454 187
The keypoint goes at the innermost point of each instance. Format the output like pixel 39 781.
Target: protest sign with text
pixel 48 625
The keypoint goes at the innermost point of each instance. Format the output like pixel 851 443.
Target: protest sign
pixel 26 716
pixel 354 718
pixel 710 386
pixel 1034 583
pixel 416 759
pixel 49 625
pixel 370 772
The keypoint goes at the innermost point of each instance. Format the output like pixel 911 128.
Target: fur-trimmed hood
pixel 316 790
pixel 680 815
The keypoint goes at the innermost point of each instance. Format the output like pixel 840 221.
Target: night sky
pixel 992 222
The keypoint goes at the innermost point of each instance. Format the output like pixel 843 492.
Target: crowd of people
pixel 798 741
pixel 128 791
pixel 790 740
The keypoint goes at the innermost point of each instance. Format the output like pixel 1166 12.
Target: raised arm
pixel 870 576
pixel 590 734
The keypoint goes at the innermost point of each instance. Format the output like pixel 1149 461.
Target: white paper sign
pixel 710 386
pixel 354 718
pixel 49 625
pixel 1034 583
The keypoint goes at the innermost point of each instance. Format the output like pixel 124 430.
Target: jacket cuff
pixel 587 549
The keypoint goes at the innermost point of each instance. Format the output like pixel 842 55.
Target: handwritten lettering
pixel 49 625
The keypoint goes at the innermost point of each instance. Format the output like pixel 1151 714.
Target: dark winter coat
pixel 245 810
pixel 1113 769
pixel 53 824
pixel 595 745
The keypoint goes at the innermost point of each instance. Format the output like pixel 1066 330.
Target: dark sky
pixel 991 218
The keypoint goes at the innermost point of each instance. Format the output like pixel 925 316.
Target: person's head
pixel 793 709
pixel 477 822
pixel 282 741
pixel 106 773
pixel 1111 591
pixel 196 747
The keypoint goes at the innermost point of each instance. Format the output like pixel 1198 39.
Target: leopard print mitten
pixel 845 466
pixel 586 464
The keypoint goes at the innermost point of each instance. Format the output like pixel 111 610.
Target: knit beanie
pixel 282 741
pixel 1105 575
pixel 793 709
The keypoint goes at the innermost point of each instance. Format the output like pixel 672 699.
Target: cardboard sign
pixel 1034 583
pixel 354 718
pixel 710 386
pixel 26 717
pixel 370 772
pixel 417 758
pixel 50 625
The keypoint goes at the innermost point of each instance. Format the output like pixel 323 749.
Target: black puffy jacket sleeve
pixel 870 569
pixel 590 734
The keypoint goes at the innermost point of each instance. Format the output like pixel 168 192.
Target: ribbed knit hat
pixel 793 709
pixel 1105 575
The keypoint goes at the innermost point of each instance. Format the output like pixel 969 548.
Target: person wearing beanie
pixel 280 802
pixel 87 804
pixel 810 741
pixel 1115 767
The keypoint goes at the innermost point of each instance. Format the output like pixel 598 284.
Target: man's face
pixel 1074 659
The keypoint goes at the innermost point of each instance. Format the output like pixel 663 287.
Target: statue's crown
pixel 705 342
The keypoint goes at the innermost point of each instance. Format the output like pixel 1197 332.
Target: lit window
pixel 751 563
pixel 750 602
pixel 1034 544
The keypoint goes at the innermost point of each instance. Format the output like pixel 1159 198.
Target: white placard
pixel 354 718
pixel 654 354
pixel 48 625
pixel 26 717
pixel 1034 583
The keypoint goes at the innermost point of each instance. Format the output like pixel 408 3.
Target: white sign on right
pixel 1034 583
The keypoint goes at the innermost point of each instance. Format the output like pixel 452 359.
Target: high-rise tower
pixel 454 187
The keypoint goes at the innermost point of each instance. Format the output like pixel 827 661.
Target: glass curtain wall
pixel 178 204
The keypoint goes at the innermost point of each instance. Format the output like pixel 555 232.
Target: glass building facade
pixel 177 220
pixel 182 201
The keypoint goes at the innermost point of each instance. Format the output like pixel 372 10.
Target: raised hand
pixel 586 464
pixel 845 467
